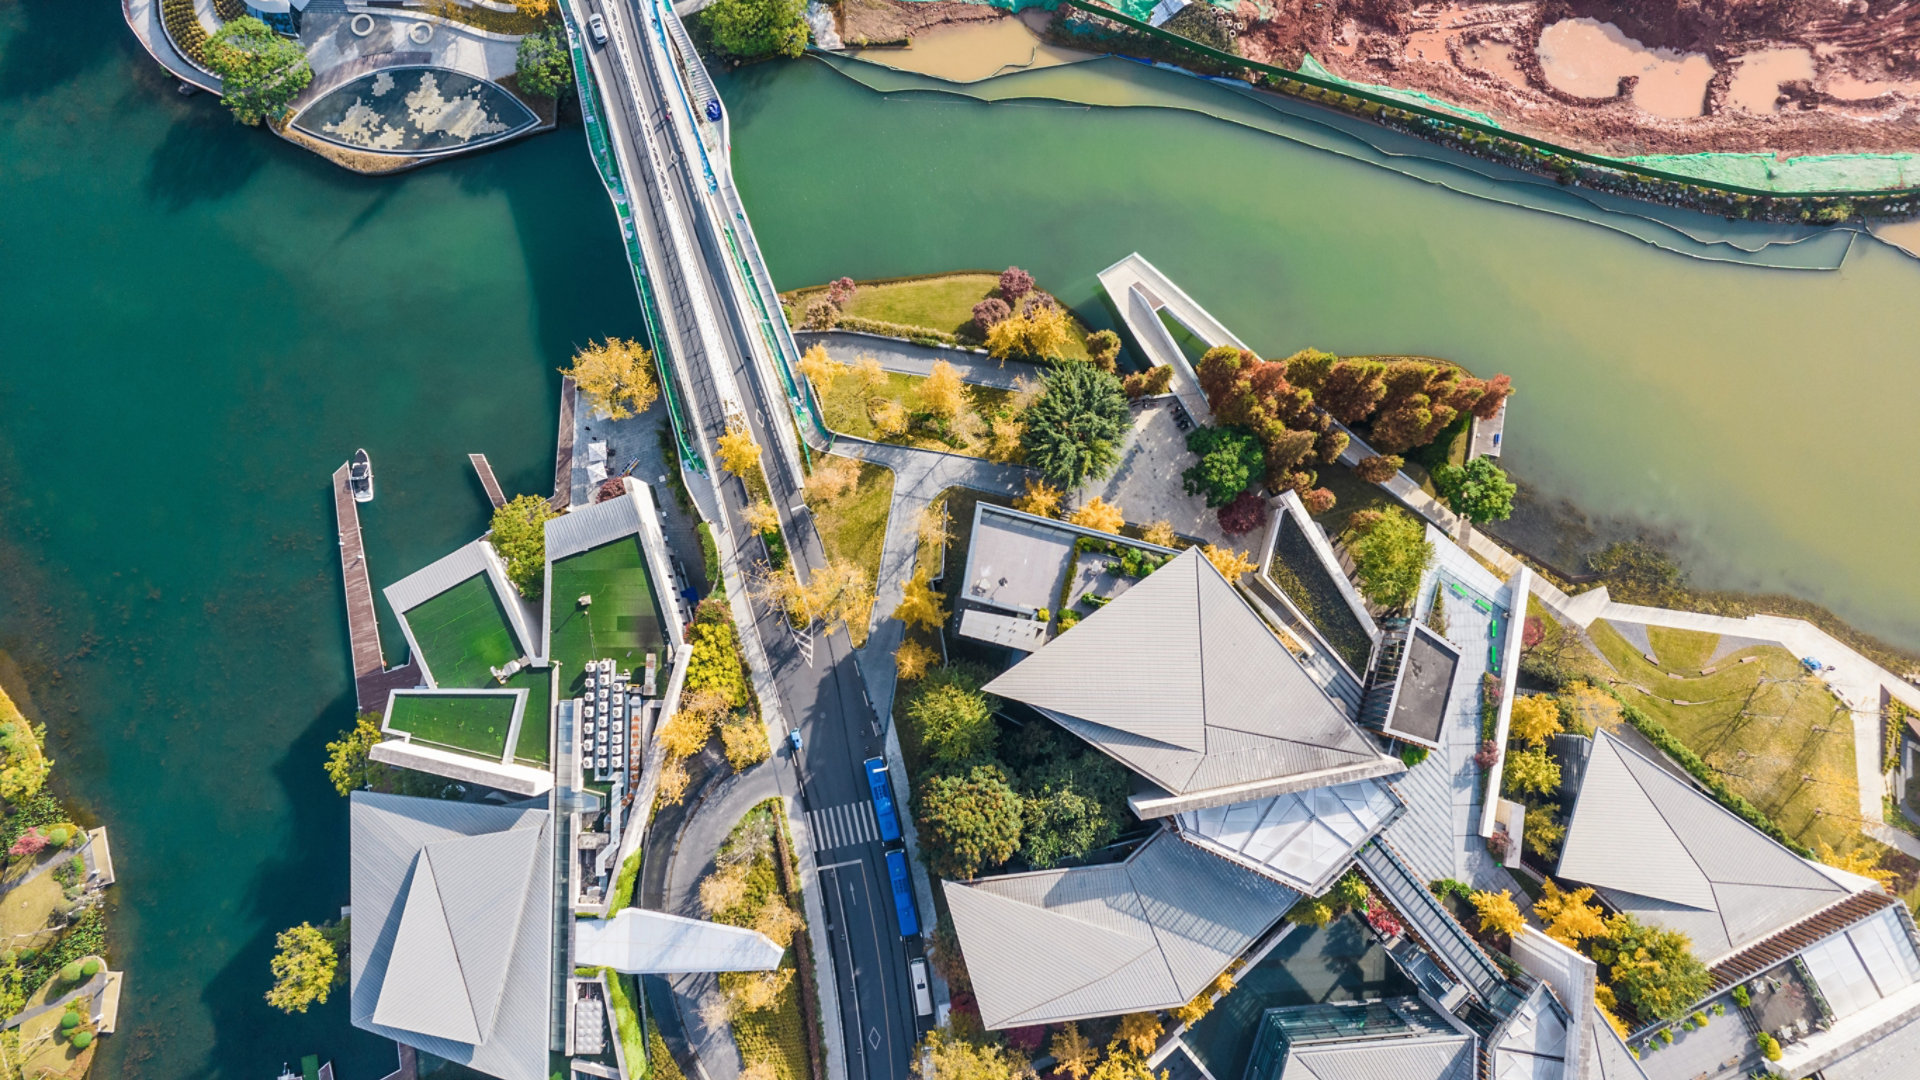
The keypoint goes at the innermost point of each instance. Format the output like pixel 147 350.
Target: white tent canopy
pixel 641 942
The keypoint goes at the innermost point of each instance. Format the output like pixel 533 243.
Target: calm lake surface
pixel 199 323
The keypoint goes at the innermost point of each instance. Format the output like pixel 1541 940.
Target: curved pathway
pixel 909 359
pixel 700 837
pixel 91 986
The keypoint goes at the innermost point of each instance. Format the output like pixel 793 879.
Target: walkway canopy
pixel 641 942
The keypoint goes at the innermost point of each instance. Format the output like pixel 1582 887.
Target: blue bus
pixel 902 881
pixel 883 800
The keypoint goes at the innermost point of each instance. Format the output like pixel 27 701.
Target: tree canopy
pixel 260 71
pixel 953 718
pixel 347 764
pixel 615 375
pixel 754 29
pixel 1390 551
pixel 520 536
pixel 949 1057
pixel 968 820
pixel 1074 805
pixel 1230 460
pixel 23 762
pixel 1651 968
pixel 303 969
pixel 1041 332
pixel 1478 490
pixel 1075 430
pixel 543 64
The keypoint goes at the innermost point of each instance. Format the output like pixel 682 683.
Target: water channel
pixel 199 322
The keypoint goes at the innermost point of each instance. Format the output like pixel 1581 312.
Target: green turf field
pixel 531 747
pixel 477 723
pixel 463 634
pixel 623 622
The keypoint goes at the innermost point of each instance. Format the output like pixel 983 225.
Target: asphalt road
pixel 824 698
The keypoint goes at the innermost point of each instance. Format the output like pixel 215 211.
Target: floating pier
pixel 494 494
pixel 563 449
pixel 371 678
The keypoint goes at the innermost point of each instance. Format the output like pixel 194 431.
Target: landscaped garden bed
pixel 1297 570
pixel 853 406
pixel 853 527
pixel 748 888
pixel 936 308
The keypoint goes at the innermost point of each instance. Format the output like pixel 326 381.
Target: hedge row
pixel 917 334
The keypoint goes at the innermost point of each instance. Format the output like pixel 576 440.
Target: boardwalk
pixel 563 450
pixel 494 494
pixel 371 679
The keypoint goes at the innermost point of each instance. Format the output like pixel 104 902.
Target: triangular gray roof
pixel 1180 681
pixel 1531 1044
pixel 1607 1055
pixel 451 930
pixel 1656 846
pixel 1147 933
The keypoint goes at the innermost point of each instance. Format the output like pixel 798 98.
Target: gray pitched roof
pixel 1147 933
pixel 1179 680
pixel 1653 845
pixel 1607 1055
pixel 451 944
pixel 587 527
pixel 1300 838
pixel 1426 1057
pixel 1890 1057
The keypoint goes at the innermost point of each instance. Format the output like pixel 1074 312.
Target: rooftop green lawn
pixel 1776 735
pixel 463 634
pixel 849 410
pixel 531 747
pixel 476 723
pixel 943 304
pixel 622 623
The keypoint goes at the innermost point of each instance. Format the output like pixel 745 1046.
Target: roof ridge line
pixel 440 905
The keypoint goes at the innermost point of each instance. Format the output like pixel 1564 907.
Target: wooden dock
pixel 371 679
pixel 494 495
pixel 563 449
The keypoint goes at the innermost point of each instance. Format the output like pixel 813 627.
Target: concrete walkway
pixel 86 989
pixel 909 359
pixel 143 17
pixel 700 838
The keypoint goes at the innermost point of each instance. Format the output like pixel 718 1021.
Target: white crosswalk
pixel 843 826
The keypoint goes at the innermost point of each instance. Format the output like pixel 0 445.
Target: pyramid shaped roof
pixel 1179 680
pixel 1147 933
pixel 1658 847
pixel 451 948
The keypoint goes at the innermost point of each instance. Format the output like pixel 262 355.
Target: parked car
pixel 597 26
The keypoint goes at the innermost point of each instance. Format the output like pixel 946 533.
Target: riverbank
pixel 57 993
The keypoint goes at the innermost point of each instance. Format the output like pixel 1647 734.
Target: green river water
pixel 198 323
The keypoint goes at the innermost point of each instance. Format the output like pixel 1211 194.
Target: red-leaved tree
pixel 1014 284
pixel 1247 512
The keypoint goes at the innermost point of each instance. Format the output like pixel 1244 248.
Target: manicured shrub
pixel 58 836
pixel 1014 284
pixel 69 1020
pixel 82 1039
pixel 1247 512
pixel 990 313
pixel 90 967
pixel 1742 997
pixel 71 972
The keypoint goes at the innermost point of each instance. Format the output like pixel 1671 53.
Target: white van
pixel 922 993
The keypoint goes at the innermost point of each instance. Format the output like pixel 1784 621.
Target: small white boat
pixel 360 476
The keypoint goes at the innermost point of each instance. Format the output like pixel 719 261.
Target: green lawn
pixel 463 633
pixel 855 528
pixel 943 304
pixel 531 747
pixel 777 1034
pixel 1754 722
pixel 25 910
pixel 622 623
pixel 477 723
pixel 847 407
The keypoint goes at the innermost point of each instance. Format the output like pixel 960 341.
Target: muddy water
pixel 1496 58
pixel 966 52
pixel 1853 88
pixel 1757 79
pixel 1587 58
pixel 1655 387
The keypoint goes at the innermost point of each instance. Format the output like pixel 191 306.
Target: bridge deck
pixel 371 678
pixel 494 494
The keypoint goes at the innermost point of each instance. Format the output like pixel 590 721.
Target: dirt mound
pixel 893 22
pixel 1630 76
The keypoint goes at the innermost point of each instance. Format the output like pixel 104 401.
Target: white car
pixel 597 26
